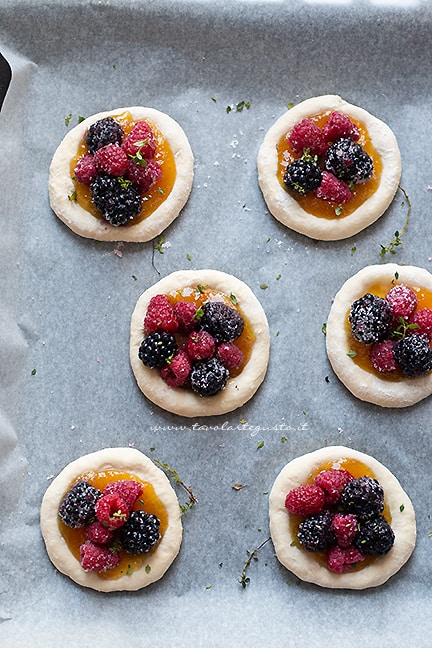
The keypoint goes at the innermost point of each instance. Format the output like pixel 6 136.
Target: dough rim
pixel 128 460
pixel 364 385
pixel 302 563
pixel 85 224
pixel 238 389
pixel 288 211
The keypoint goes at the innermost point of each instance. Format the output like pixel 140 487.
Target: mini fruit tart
pixel 328 169
pixel 111 521
pixel 122 175
pixel 340 519
pixel 199 343
pixel 379 333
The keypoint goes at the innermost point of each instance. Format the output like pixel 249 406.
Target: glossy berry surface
pixel 224 323
pixel 208 377
pixel 78 505
pixel 315 533
pixel 157 349
pixel 375 537
pixel 117 203
pixel 413 355
pixel 302 176
pixel 333 190
pixel 104 131
pixel 348 161
pixel 363 496
pixel 140 533
pixel 370 318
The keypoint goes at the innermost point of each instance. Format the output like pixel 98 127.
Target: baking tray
pixel 66 385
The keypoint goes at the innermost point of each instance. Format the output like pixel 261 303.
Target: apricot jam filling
pixel 361 192
pixel 158 193
pixel 148 501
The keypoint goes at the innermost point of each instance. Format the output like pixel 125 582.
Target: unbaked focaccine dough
pixel 239 389
pixel 288 211
pixel 303 563
pixel 365 385
pixel 85 224
pixel 125 460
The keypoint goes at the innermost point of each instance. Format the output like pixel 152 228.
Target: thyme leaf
pixel 252 555
pixel 397 241
pixel 176 478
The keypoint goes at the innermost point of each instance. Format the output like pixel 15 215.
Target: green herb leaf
pixel 233 298
pixel 188 257
pixel 397 241
pixel 284 439
pixel 72 196
pixel 174 474
pixel 148 569
pixel 352 354
pixel 338 210
pixel 252 555
pixel 402 508
pixel 260 444
pixel 33 372
pixel 290 105
pixel 68 118
pixel 324 328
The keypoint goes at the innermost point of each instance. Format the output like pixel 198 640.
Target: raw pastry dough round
pixel 366 385
pixel 288 211
pixel 239 389
pixel 123 459
pixel 85 224
pixel 303 563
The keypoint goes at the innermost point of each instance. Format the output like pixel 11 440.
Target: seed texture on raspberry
pixel 157 349
pixel 78 506
pixel 307 135
pixel 98 533
pixel 140 533
pixel 305 500
pixel 302 176
pixel 332 482
pixel 348 161
pixel 128 489
pixel 111 159
pixel 230 355
pixel 340 559
pixel 160 315
pixel 370 318
pixel 96 558
pixel 177 372
pixel 375 537
pixel 140 141
pixel 333 190
pixel 186 315
pixel 402 300
pixel 144 175
pixel 224 323
pixel 413 355
pixel 423 319
pixel 208 377
pixel 345 527
pixel 316 533
pixel 200 345
pixel 85 169
pixel 363 496
pixel 104 131
pixel 112 511
pixel 340 126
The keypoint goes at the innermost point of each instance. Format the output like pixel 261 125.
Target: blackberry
pixel 224 323
pixel 104 131
pixel 140 533
pixel 370 318
pixel 413 355
pixel 348 161
pixel 375 537
pixel 157 349
pixel 78 505
pixel 315 533
pixel 363 496
pixel 302 176
pixel 208 377
pixel 119 202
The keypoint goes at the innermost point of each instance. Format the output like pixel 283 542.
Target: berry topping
pixel 413 355
pixel 111 511
pixel 302 176
pixel 185 313
pixel 200 345
pixel 382 357
pixel 111 159
pixel 363 497
pixel 348 161
pixel 140 533
pixel 402 300
pixel 341 559
pixel 160 315
pixel 375 537
pixel 78 506
pixel 144 175
pixel 333 190
pixel 340 126
pixel 332 482
pixel 345 528
pixel 316 533
pixel 305 500
pixel 176 373
pixel 85 169
pixel 118 201
pixel 370 318
pixel 140 143
pixel 307 135
pixel 208 377
pixel 423 319
pixel 104 131
pixel 128 489
pixel 224 323
pixel 157 349
pixel 230 355
pixel 99 533
pixel 96 558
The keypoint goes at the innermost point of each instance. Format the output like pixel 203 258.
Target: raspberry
pixel 128 489
pixel 348 161
pixel 221 321
pixel 375 537
pixel 111 159
pixel 111 511
pixel 117 202
pixel 345 528
pixel 78 505
pixel 307 135
pixel 98 533
pixel 208 377
pixel 200 345
pixel 315 533
pixel 160 315
pixel 363 496
pixel 144 175
pixel 340 559
pixel 332 482
pixel 382 357
pixel 96 558
pixel 302 176
pixel 340 126
pixel 402 300
pixel 305 500
pixel 370 318
pixel 176 373
pixel 140 140
pixel 332 189
pixel 230 355
pixel 423 319
pixel 414 355
pixel 157 349
pixel 185 313
pixel 104 131
pixel 85 169
pixel 140 533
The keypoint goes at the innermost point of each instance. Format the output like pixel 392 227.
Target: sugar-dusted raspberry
pixel 307 135
pixel 85 169
pixel 186 315
pixel 98 533
pixel 140 141
pixel 332 189
pixel 340 125
pixel 345 528
pixel 305 500
pixel 341 559
pixel 423 318
pixel 230 355
pixel 402 300
pixel 111 159
pixel 112 511
pixel 176 373
pixel 96 558
pixel 160 315
pixel 382 357
pixel 128 489
pixel 332 482
pixel 144 175
pixel 200 345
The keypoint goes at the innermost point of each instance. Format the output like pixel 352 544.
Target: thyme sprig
pixel 397 241
pixel 157 245
pixel 176 478
pixel 252 555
